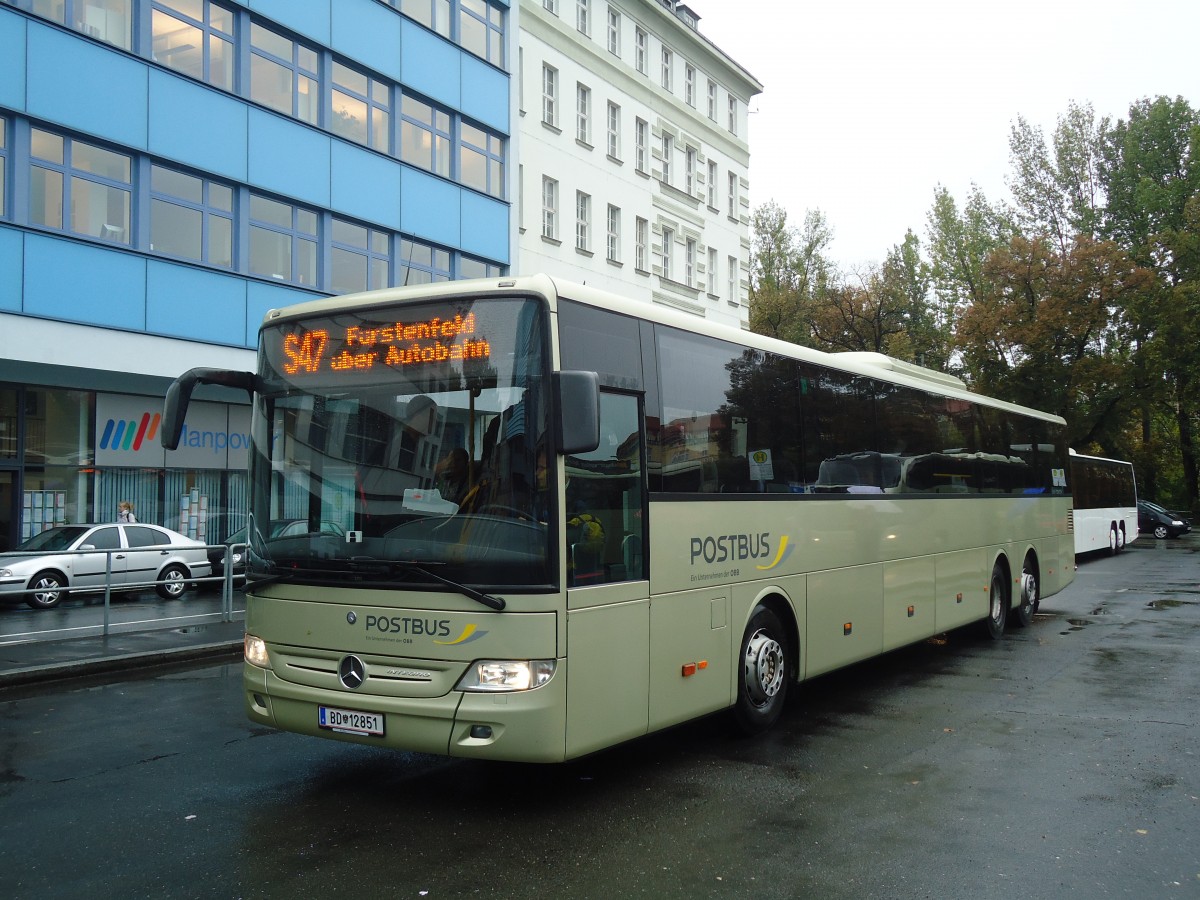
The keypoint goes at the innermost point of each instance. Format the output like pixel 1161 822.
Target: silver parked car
pixel 140 554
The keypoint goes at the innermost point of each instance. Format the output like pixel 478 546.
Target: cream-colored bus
pixel 566 519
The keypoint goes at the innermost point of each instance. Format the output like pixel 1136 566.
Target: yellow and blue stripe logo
pixel 784 551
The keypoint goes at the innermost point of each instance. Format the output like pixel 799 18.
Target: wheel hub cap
pixel 764 667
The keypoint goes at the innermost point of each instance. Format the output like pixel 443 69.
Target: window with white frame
pixel 583 16
pixel 613 233
pixel 710 276
pixel 550 95
pixel 191 217
pixel 550 6
pixel 668 245
pixel 614 32
pixel 640 49
pixel 668 151
pixel 689 84
pixel 641 242
pixel 549 208
pixel 583 220
pixel 733 195
pixel 689 262
pixel 734 277
pixel 641 136
pixel 614 130
pixel 712 99
pixel 712 184
pixel 689 171
pixel 583 106
pixel 733 115
pixel 194 37
pixel 79 187
pixel 668 64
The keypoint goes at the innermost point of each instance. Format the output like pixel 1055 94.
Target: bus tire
pixel 1030 594
pixel 997 617
pixel 1113 541
pixel 764 670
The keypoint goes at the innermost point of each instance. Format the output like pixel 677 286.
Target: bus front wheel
pixel 997 604
pixel 763 672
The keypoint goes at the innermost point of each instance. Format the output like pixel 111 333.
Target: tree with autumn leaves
pixel 1081 298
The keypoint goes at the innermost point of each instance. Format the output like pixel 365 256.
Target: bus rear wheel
pixel 1030 594
pixel 997 604
pixel 763 674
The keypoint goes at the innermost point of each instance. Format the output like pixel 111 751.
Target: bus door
pixel 608 589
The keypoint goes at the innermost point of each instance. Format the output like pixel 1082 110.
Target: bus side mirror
pixel 578 398
pixel 179 395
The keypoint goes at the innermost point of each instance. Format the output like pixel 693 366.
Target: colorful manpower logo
pixel 121 434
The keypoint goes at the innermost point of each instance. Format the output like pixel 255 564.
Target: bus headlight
pixel 506 675
pixel 256 652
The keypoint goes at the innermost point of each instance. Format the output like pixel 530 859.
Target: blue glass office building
pixel 171 169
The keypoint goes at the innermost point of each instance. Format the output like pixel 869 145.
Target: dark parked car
pixel 70 559
pixel 1162 523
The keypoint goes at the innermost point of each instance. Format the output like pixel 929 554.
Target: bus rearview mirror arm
pixel 179 395
pixel 578 397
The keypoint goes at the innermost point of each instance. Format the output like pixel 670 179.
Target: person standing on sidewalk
pixel 125 513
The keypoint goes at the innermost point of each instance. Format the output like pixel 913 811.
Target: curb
pixel 123 663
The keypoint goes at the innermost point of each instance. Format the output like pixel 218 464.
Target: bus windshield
pixel 405 447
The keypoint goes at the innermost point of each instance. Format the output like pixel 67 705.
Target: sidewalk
pixel 35 662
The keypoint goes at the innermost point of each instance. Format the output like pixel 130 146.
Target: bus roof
pixel 872 365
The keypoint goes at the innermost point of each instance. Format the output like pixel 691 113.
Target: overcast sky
pixel 868 105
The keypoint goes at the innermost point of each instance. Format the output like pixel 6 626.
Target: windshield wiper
pixel 422 568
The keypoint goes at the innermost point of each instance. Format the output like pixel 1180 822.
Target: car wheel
pixel 172 583
pixel 997 605
pixel 51 589
pixel 763 672
pixel 1160 531
pixel 1030 598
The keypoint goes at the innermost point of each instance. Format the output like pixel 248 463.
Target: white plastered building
pixel 633 151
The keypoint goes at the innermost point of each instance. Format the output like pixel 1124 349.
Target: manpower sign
pixel 215 436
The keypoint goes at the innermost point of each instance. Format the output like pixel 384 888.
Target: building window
pixel 550 95
pixel 689 84
pixel 549 208
pixel 79 187
pixel 425 136
pixel 689 173
pixel 550 6
pixel 433 14
pixel 361 108
pixel 711 186
pixel 667 64
pixel 469 267
pixel 641 240
pixel 614 131
pixel 481 160
pixel 583 220
pixel 196 39
pixel 711 274
pixel 583 106
pixel 191 217
pixel 3 167
pixel 668 243
pixel 641 132
pixel 283 74
pixel 733 115
pixel 614 32
pixel 733 195
pixel 421 263
pixel 283 241
pixel 359 257
pixel 668 150
pixel 640 40
pixel 613 233
pixel 712 99
pixel 105 20
pixel 481 30
pixel 733 280
pixel 689 263
pixel 583 17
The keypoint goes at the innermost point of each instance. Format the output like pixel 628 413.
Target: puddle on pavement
pixel 1169 604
